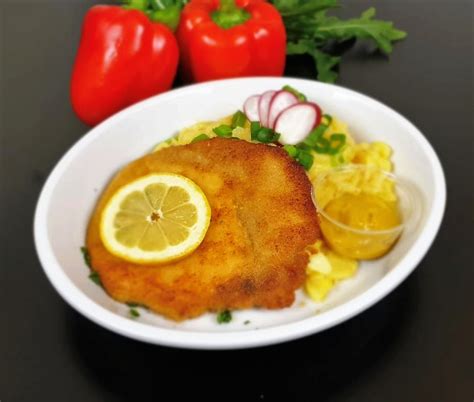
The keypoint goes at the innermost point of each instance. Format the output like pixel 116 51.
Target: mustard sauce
pixel 364 213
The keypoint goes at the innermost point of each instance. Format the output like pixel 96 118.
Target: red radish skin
pixel 280 101
pixel 251 108
pixel 264 107
pixel 296 122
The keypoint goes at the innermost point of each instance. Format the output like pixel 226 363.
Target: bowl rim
pixel 233 339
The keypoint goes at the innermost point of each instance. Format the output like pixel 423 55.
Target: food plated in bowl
pixel 134 132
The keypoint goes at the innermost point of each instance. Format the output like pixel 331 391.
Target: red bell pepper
pixel 223 39
pixel 123 57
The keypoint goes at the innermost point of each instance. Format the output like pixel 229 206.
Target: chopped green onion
pixel 200 137
pixel 224 317
pixel 301 97
pixel 305 159
pixel 338 159
pixel 94 277
pixel 313 137
pixel 134 313
pixel 223 131
pixel 336 142
pixel 86 256
pixel 304 147
pixel 265 135
pixel 254 128
pixel 262 134
pixel 328 119
pixel 322 146
pixel 300 155
pixel 238 119
pixel 292 150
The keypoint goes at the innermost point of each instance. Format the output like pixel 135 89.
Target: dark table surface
pixel 415 345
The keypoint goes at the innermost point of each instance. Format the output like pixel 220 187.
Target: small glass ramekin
pixel 357 243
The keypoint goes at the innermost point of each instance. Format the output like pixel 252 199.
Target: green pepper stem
pixel 169 16
pixel 228 15
pixel 141 5
pixel 227 6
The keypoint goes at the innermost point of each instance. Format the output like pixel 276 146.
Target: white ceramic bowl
pixel 72 189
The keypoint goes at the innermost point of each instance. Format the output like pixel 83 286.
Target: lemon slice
pixel 156 218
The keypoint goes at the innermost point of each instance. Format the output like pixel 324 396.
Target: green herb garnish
pixel 322 145
pixel 300 155
pixel 246 322
pixel 134 313
pixel 224 317
pixel 86 256
pixel 267 135
pixel 239 119
pixel 311 31
pixel 301 97
pixel 94 277
pixel 330 146
pixel 314 136
pixel 223 131
pixel 200 137
pixel 254 127
pixel 292 150
pixel 336 142
pixel 305 159
pixel 328 119
pixel 262 134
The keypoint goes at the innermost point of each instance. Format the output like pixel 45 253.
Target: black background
pixel 415 345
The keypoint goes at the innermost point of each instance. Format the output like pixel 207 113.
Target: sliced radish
pixel 264 107
pixel 280 101
pixel 296 122
pixel 251 108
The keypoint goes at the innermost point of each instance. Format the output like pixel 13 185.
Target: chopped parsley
pixel 224 317
pixel 246 322
pixel 134 313
pixel 94 277
pixel 87 256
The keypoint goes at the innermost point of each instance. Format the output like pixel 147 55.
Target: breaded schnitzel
pixel 253 255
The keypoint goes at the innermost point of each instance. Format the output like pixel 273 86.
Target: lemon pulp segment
pixel 156 218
